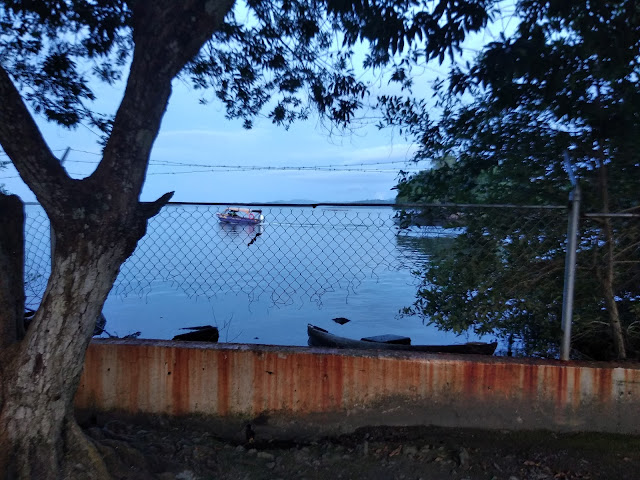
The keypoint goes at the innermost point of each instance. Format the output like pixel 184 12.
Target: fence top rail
pixel 612 215
pixel 367 204
pixel 381 204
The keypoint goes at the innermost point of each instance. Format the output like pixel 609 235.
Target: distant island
pixel 387 201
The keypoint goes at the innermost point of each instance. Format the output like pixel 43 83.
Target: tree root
pixel 81 457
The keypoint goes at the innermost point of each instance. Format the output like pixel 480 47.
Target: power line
pixel 207 168
pixel 360 170
pixel 87 152
pixel 283 167
pixel 329 167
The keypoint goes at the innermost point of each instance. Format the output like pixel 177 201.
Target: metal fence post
pixel 570 264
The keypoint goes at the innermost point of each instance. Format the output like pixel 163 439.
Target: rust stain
pixel 530 381
pixel 221 380
pixel 429 378
pixel 392 374
pixel 288 384
pixel 337 384
pixel 122 364
pixel 90 390
pixel 629 386
pixel 323 390
pixel 270 381
pixel 134 384
pixel 488 381
pixel 224 390
pixel 258 397
pixel 469 378
pixel 348 381
pixel 354 390
pixel 180 380
pixel 561 386
pixel 411 378
pixel 321 403
pixel 603 379
pixel 577 388
pixel 150 366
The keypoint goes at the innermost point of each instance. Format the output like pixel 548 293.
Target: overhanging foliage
pixel 567 79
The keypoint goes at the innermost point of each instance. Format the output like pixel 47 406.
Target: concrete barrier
pixel 353 388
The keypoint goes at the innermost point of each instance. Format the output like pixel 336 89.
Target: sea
pixel 264 283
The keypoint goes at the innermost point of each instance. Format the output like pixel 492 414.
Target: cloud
pixel 236 134
pixel 372 148
pixel 399 152
pixel 272 186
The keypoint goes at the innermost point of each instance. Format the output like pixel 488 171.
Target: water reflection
pixel 264 283
pixel 422 248
pixel 240 230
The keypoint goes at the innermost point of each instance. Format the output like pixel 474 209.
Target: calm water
pixel 263 284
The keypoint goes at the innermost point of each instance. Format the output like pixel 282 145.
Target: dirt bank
pixel 197 449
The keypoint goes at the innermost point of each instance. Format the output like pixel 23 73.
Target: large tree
pixel 50 51
pixel 567 79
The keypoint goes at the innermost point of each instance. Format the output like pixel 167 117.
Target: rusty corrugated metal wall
pixel 357 387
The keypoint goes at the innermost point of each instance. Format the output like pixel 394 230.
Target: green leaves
pixel 285 57
pixel 498 276
pixel 303 49
pixel 46 45
pixel 567 79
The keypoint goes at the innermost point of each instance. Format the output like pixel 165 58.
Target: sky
pixel 197 150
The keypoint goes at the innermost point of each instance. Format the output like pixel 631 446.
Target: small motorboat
pixel 241 216
pixel 319 337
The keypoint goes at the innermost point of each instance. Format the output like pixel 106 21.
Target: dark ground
pixel 191 449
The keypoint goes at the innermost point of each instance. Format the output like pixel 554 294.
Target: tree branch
pixel 167 34
pixel 22 141
pixel 151 209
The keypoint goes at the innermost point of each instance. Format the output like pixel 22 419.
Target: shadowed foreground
pixel 157 448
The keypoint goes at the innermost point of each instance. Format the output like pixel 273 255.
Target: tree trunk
pixel 97 223
pixel 608 279
pixel 40 438
pixel 609 293
pixel 12 268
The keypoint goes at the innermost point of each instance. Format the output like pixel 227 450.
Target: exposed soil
pixel 197 449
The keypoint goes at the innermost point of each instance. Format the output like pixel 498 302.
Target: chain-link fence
pixel 502 274
pixel 295 250
pixel 608 283
pixel 37 254
pixel 302 250
pixel 490 269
